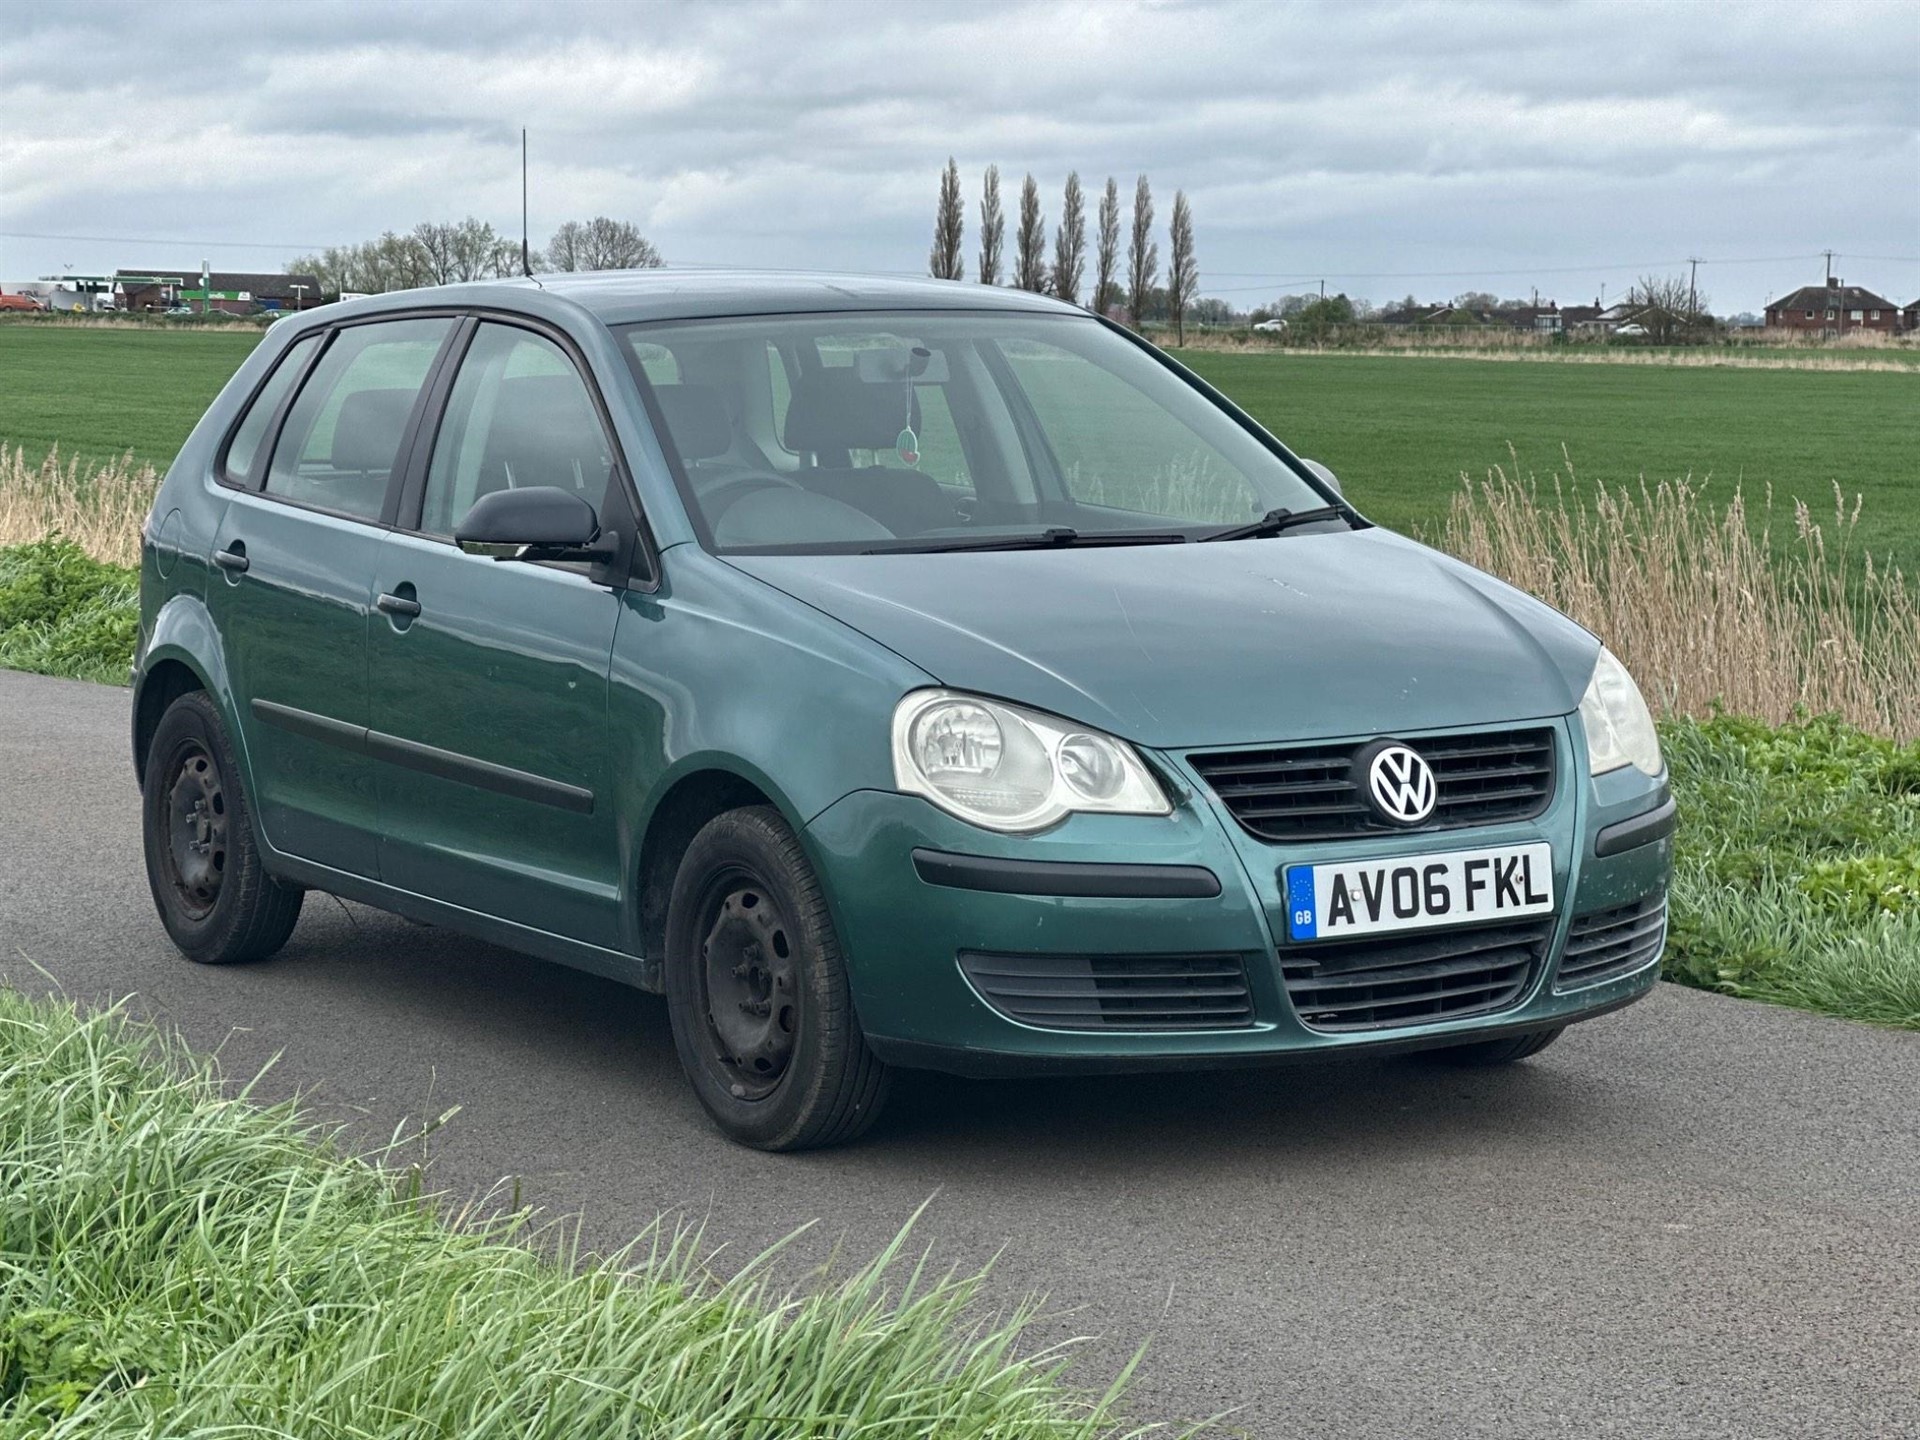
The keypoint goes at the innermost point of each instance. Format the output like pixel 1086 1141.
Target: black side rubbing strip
pixel 428 759
pixel 1065 877
pixel 311 726
pixel 1636 830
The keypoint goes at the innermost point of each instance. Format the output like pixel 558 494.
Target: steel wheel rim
pixel 196 831
pixel 749 985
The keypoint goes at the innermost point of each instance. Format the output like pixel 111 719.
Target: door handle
pixel 233 560
pixel 398 605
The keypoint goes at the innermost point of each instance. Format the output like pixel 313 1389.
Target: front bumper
pixel 906 913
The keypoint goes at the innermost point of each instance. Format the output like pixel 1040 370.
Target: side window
pixel 518 415
pixel 342 437
pixel 782 384
pixel 940 452
pixel 1103 437
pixel 244 448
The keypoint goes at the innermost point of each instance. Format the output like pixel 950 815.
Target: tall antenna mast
pixel 526 262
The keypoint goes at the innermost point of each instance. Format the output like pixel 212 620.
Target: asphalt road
pixel 1694 1218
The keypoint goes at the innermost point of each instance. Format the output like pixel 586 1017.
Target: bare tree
pixel 601 244
pixel 436 250
pixel 1143 255
pixel 993 228
pixel 1030 255
pixel 1666 306
pixel 1070 243
pixel 1183 280
pixel 1106 255
pixel 460 251
pixel 504 262
pixel 949 228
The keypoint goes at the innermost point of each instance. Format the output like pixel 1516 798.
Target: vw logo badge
pixel 1398 782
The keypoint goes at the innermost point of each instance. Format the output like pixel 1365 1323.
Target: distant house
pixel 1581 319
pixel 1833 309
pixel 1531 319
pixel 236 292
pixel 1910 316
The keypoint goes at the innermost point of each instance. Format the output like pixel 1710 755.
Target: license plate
pixel 1368 897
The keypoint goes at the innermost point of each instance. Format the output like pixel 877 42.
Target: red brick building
pixel 1833 309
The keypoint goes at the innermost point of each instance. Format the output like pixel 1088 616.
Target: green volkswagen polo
pixel 890 673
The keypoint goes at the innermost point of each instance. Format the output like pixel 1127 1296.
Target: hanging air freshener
pixel 907 444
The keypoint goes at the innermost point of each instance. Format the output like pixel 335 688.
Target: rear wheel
pixel 1497 1052
pixel 757 991
pixel 214 896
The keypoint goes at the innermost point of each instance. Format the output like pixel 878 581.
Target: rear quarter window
pixel 243 450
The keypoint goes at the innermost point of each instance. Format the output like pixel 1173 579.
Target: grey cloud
pixel 1311 137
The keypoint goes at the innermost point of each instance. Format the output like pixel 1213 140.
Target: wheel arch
pixel 182 653
pixel 693 793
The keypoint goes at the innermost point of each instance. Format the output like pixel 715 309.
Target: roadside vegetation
pixel 177 1260
pixel 64 613
pixel 1797 873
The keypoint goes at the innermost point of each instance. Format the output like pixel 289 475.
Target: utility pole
pixel 1323 289
pixel 1693 305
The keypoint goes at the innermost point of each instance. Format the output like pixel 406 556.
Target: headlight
pixel 1008 768
pixel 1619 725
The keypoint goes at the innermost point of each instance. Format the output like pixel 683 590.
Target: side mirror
pixel 1325 476
pixel 540 522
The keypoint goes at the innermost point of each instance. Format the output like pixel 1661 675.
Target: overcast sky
pixel 1389 148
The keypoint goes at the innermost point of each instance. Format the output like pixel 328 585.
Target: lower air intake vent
pixel 1114 992
pixel 1398 980
pixel 1613 942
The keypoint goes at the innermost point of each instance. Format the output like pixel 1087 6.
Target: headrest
pixel 367 431
pixel 834 409
pixel 698 425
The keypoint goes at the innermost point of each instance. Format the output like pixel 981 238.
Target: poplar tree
pixel 1143 255
pixel 1183 280
pixel 1070 243
pixel 993 228
pixel 1030 255
pixel 1106 255
pixel 949 227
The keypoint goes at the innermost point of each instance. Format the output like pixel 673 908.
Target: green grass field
pixel 98 393
pixel 1399 431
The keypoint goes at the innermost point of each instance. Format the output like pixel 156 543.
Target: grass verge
pixel 64 613
pixel 1797 867
pixel 177 1261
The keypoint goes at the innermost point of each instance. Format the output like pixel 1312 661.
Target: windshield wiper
pixel 1277 522
pixel 1059 537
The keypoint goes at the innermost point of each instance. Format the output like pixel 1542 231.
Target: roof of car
pixel 619 297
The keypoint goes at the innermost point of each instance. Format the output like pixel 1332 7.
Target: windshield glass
pixel 889 432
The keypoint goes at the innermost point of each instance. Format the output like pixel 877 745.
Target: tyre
pixel 1497 1052
pixel 203 864
pixel 757 991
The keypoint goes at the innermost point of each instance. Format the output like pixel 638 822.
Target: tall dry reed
pixel 1701 606
pixel 99 508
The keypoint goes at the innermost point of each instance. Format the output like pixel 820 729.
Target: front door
pixel 489 678
pixel 295 556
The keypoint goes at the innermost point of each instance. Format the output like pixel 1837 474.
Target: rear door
pixel 296 553
pixel 489 678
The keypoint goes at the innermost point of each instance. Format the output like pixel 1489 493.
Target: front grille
pixel 1400 980
pixel 1308 792
pixel 1610 943
pixel 1114 992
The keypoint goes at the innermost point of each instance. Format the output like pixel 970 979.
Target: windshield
pixel 958 430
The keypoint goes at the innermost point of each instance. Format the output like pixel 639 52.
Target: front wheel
pixel 1497 1052
pixel 214 895
pixel 757 991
